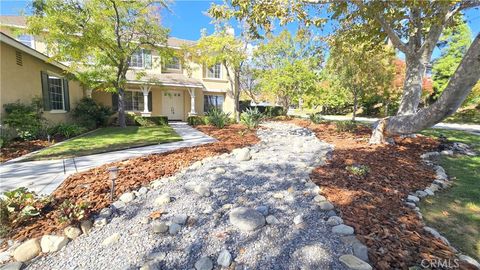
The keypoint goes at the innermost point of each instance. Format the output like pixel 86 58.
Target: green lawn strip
pixel 455 212
pixel 109 139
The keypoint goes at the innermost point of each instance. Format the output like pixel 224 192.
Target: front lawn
pixel 456 211
pixel 109 139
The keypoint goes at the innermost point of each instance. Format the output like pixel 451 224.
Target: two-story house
pixel 166 88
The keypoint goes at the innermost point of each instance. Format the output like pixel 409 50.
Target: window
pixel 55 93
pixel 214 71
pixel 174 63
pixel 27 40
pixel 212 101
pixel 133 101
pixel 141 59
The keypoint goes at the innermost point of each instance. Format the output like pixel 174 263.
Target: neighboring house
pixel 163 89
pixel 26 73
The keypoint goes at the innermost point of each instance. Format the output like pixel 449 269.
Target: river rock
pixel 27 250
pixel 246 219
pixel 53 243
pixel 354 263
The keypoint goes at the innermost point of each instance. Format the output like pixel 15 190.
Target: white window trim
pixel 176 69
pixel 134 90
pixel 215 78
pixel 53 74
pixel 32 41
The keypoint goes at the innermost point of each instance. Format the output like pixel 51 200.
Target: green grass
pixel 456 211
pixel 468 116
pixel 109 139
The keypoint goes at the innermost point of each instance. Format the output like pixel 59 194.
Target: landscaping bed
pixel 374 204
pixel 93 186
pixel 17 149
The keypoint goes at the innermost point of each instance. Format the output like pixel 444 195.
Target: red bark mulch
pixel 19 148
pixel 374 204
pixel 93 186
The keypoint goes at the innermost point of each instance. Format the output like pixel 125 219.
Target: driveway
pixel 45 176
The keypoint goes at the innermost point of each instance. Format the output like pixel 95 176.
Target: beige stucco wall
pixel 22 83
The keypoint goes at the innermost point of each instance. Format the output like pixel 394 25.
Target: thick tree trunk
pixel 458 88
pixel 121 108
pixel 412 87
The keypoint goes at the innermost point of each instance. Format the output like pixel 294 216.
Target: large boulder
pixel 27 250
pixel 246 219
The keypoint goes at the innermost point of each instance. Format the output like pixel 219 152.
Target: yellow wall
pixel 22 83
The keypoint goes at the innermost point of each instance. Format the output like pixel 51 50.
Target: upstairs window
pixel 174 63
pixel 27 40
pixel 141 59
pixel 214 71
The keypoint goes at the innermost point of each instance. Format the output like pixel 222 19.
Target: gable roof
pixel 4 38
pixel 21 22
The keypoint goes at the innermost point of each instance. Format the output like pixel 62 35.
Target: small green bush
pixel 19 205
pixel 251 117
pixel 70 212
pixel 346 126
pixel 90 114
pixel 317 118
pixel 358 170
pixel 146 121
pixel 195 120
pixel 26 119
pixel 67 130
pixel 273 111
pixel 217 118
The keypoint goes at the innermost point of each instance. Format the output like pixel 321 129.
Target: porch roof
pixel 167 79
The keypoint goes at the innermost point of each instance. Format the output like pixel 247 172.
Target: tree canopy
pixel 98 37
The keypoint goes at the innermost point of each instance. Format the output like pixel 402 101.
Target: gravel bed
pixel 276 176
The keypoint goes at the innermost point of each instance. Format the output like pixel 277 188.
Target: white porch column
pixel 191 91
pixel 145 91
pixel 89 93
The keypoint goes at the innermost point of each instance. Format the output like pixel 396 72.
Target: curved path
pixel 275 182
pixel 44 176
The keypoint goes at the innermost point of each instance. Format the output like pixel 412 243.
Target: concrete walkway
pixel 45 176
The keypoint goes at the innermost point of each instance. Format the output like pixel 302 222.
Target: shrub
pixel 90 114
pixel 358 170
pixel 317 118
pixel 19 205
pixel 251 117
pixel 70 212
pixel 26 119
pixel 273 111
pixel 146 121
pixel 68 130
pixel 195 120
pixel 217 118
pixel 346 126
pixel 7 134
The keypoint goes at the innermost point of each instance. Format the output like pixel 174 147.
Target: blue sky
pixel 187 17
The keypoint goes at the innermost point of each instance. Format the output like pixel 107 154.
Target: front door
pixel 172 104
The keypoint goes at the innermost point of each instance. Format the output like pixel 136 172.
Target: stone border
pixel 442 181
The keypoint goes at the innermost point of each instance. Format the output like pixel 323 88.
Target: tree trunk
pixel 237 96
pixel 121 107
pixel 412 87
pixel 355 104
pixel 457 90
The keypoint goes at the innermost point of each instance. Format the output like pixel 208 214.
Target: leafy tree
pixel 98 38
pixel 227 50
pixel 361 69
pixel 287 67
pixel 453 43
pixel 413 27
